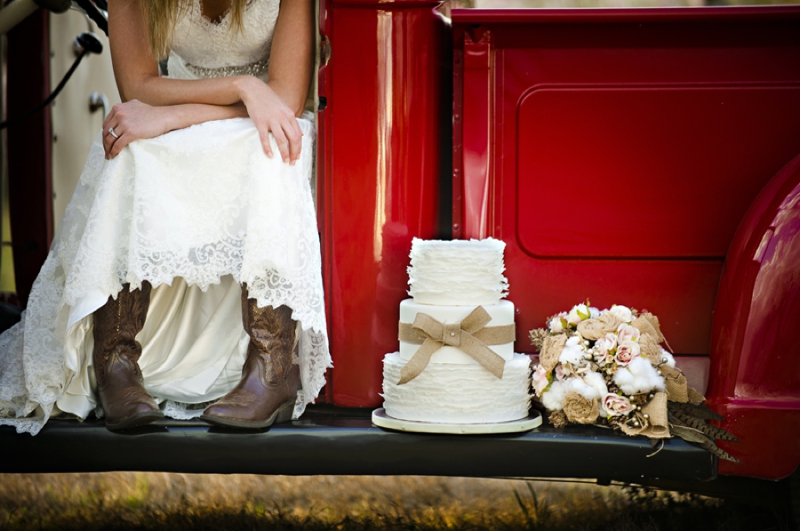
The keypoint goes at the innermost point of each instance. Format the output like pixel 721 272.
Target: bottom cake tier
pixel 456 393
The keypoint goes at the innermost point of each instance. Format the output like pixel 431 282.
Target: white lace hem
pixel 199 203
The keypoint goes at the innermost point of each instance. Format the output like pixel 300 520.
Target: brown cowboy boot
pixel 116 355
pixel 268 389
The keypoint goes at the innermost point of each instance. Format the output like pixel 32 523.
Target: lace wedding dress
pixel 195 212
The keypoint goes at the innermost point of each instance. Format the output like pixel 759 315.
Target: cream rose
pixel 616 405
pixel 626 332
pixel 622 312
pixel 577 314
pixel 626 352
pixel 555 325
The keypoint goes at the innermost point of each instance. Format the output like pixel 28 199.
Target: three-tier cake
pixel 456 364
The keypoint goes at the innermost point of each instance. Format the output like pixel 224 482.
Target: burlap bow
pixel 652 419
pixel 470 335
pixel 677 387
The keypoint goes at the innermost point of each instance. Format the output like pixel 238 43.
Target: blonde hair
pixel 162 15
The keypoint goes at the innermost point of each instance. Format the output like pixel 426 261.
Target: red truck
pixel 648 157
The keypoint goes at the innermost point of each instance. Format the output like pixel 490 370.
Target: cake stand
pixel 381 419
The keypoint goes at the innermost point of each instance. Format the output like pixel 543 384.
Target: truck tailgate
pixel 616 151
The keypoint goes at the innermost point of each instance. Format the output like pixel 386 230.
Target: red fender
pixel 755 353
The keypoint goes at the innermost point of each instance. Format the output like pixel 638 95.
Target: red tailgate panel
pixel 651 171
pixel 616 151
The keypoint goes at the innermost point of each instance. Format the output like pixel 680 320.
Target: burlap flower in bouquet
pixel 609 367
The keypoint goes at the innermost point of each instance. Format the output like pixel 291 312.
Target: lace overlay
pixel 200 203
pixel 206 44
pixel 180 411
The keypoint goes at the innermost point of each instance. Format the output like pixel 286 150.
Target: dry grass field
pixel 240 502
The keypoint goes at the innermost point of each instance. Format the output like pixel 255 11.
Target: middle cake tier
pixel 502 314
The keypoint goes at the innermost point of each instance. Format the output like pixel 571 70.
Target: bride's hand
pixel 131 121
pixel 271 115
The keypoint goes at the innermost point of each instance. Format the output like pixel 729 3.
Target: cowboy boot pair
pixel 267 392
pixel 116 354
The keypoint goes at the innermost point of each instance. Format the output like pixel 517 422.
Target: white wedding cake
pixel 448 375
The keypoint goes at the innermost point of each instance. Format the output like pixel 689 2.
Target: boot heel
pixel 285 412
pixel 267 392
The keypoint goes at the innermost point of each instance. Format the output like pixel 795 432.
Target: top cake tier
pixel 457 272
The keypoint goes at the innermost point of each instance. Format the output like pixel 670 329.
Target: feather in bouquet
pixel 609 367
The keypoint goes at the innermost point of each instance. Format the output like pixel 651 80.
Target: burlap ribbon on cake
pixel 470 335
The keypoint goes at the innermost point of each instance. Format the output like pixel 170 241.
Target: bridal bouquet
pixel 608 367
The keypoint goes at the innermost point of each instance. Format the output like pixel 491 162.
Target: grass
pixel 128 500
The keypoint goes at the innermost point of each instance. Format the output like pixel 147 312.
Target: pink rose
pixel 605 344
pixel 560 376
pixel 626 332
pixel 616 405
pixel 626 351
pixel 540 380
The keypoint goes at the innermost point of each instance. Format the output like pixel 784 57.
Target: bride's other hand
pixel 275 106
pixel 133 120
pixel 271 115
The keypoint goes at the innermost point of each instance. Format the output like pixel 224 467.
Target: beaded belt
pixel 253 69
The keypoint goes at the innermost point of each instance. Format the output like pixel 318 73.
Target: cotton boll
pixel 573 341
pixel 638 377
pixel 577 385
pixel 593 312
pixel 596 381
pixel 553 398
pixel 573 352
pixel 670 359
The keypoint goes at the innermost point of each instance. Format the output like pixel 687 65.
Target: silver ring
pixel 112 133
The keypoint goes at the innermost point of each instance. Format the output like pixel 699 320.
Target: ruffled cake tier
pixel 457 272
pixel 457 393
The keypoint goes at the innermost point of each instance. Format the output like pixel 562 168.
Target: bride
pixel 185 278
